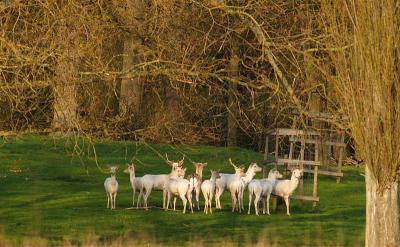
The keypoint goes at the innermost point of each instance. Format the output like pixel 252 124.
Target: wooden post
pixel 290 156
pixel 315 185
pixel 266 147
pixel 265 155
pixel 276 149
pixel 303 146
pixel 340 161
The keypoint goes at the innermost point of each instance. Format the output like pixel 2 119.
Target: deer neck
pixel 272 178
pixel 132 177
pixel 113 178
pixel 249 176
pixel 199 171
pixel 173 174
pixel 213 179
pixel 294 182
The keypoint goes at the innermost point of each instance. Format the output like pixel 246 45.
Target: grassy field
pixel 54 198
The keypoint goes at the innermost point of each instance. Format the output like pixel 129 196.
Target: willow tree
pixel 363 44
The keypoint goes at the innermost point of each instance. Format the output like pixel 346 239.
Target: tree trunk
pixel 232 102
pixel 65 98
pixel 382 226
pixel 131 88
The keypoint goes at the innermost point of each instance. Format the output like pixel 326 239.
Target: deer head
pixel 113 169
pixel 239 170
pixel 215 174
pixel 199 167
pixel 130 169
pixel 297 173
pixel 254 167
pixel 274 174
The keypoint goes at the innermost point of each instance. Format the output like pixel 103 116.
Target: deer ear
pixel 205 164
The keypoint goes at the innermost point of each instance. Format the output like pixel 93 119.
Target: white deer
pixel 180 187
pixel 208 189
pixel 285 188
pixel 158 182
pixel 262 188
pixel 250 173
pixel 111 186
pixel 196 180
pixel 135 182
pixel 224 180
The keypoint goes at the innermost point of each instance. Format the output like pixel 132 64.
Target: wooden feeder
pixel 290 161
pixel 311 165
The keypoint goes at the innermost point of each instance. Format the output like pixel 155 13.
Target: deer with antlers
pixel 225 180
pixel 158 182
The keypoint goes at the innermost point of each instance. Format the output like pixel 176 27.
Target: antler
pixel 168 161
pixel 230 161
pixel 181 161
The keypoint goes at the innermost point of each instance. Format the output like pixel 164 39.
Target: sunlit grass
pixel 46 196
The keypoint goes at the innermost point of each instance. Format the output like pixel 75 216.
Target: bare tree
pixel 363 39
pixel 232 107
pixel 65 95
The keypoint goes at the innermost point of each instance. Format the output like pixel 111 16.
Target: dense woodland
pixel 171 71
pixel 210 71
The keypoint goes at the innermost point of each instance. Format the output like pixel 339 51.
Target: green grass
pixel 54 198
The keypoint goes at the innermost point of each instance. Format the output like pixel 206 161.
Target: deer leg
pixel 174 202
pixel 108 200
pixel 184 201
pixel 287 204
pixel 164 197
pixel 206 204
pixel 233 202
pixel 250 199
pixel 239 202
pixel 115 197
pixel 133 197
pixel 256 201
pixel 268 196
pixel 190 202
pixel 198 197
pixel 217 198
pixel 168 200
pixel 138 199
pixel 210 202
pixel 146 197
pixel 241 198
